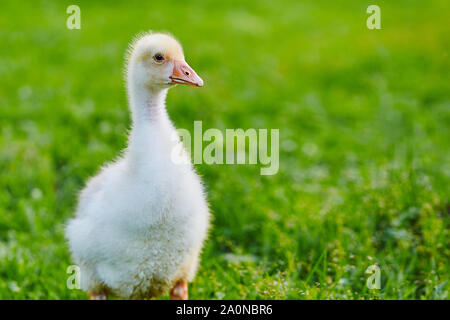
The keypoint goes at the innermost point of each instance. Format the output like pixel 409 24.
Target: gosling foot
pixel 98 296
pixel 179 291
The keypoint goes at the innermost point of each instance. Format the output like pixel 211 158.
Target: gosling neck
pixel 151 126
pixel 147 104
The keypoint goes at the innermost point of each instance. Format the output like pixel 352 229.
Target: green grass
pixel 364 121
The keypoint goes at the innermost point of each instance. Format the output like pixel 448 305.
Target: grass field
pixel 364 119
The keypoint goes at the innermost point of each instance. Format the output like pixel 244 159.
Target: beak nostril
pixel 184 74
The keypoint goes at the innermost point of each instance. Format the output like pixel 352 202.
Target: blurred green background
pixel 364 140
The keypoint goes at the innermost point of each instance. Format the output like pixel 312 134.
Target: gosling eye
pixel 158 57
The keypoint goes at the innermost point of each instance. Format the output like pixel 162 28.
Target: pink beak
pixel 183 74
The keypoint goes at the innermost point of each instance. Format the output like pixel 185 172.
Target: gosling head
pixel 156 60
